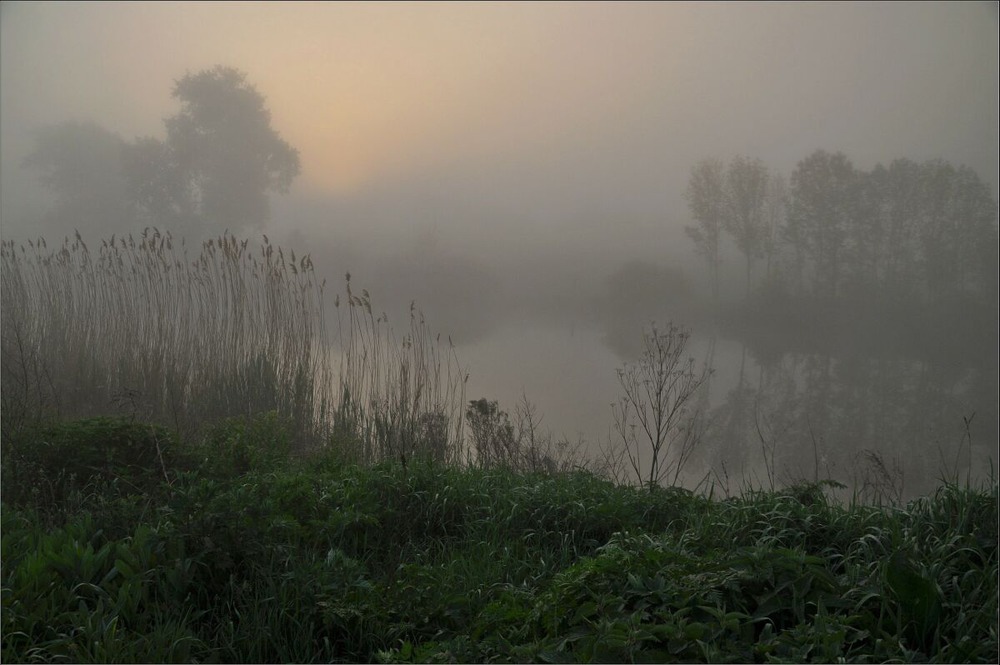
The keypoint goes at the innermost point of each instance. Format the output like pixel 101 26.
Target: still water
pixel 803 418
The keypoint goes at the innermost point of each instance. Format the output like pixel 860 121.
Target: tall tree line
pixel 873 320
pixel 922 232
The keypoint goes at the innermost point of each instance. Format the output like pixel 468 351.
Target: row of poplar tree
pixel 916 231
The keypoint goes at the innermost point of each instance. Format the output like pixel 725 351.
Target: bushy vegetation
pixel 185 478
pixel 123 544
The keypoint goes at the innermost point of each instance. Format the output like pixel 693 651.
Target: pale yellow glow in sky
pixel 407 87
pixel 367 90
pixel 377 92
pixel 361 89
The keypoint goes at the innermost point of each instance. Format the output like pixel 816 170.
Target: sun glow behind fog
pixel 369 92
pixel 598 100
pixel 364 91
pixel 376 93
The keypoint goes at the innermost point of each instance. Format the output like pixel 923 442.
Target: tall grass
pixel 398 397
pixel 232 332
pixel 235 331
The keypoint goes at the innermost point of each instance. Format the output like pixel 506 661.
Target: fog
pixel 519 170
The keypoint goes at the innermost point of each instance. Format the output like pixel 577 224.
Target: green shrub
pixel 48 465
pixel 429 563
pixel 73 595
pixel 236 446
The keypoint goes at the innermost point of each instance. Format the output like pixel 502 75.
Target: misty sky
pixel 533 125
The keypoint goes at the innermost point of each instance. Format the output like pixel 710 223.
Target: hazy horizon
pixel 500 163
pixel 538 116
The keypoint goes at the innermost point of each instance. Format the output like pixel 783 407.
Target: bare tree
pixel 656 411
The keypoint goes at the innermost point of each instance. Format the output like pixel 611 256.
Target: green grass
pixel 121 544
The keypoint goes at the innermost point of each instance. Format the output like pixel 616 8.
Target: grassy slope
pixel 120 545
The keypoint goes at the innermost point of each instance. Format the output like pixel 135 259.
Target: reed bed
pixel 232 332
pixel 398 398
pixel 236 331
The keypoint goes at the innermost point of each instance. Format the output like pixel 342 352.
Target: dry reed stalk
pixel 232 332
pixel 226 334
pixel 398 397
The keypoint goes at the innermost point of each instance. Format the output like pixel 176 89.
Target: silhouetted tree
pixel 865 250
pixel 81 164
pixel 223 143
pixel 746 191
pixel 901 201
pixel 220 160
pixel 775 211
pixel 956 229
pixel 706 199
pixel 914 231
pixel 160 193
pixel 733 199
pixel 822 203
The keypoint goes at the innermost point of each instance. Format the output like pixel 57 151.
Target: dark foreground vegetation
pixel 122 545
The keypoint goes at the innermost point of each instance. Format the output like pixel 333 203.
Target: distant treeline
pixel 916 231
pixel 827 252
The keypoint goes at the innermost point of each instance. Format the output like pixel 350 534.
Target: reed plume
pixel 234 331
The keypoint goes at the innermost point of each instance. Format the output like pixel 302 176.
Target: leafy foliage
pixel 278 559
pixel 222 143
pixel 214 170
pixel 50 466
